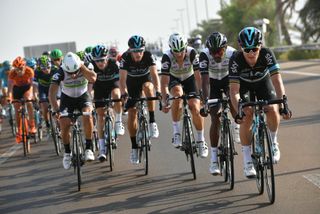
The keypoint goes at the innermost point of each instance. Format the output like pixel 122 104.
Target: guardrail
pixel 315 46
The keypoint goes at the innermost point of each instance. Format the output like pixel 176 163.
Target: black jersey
pixel 240 70
pixel 42 79
pixel 110 72
pixel 137 69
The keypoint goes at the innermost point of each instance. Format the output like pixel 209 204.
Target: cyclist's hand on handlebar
pixel 158 94
pixel 239 119
pixel 204 109
pixel 286 113
pixel 165 104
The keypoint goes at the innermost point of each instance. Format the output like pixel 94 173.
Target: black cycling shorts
pixel 102 90
pixel 134 85
pixel 263 90
pixel 19 91
pixel 189 85
pixel 70 104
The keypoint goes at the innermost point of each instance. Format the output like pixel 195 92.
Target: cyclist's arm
pixel 155 77
pixel 90 75
pixel 205 85
pixel 53 90
pixel 197 76
pixel 122 81
pixel 278 85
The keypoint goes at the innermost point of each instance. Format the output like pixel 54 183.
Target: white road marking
pixel 4 157
pixel 299 73
pixel 313 178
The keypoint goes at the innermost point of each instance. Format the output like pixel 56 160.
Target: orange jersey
pixel 25 79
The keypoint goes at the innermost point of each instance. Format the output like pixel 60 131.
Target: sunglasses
pixel 99 60
pixel 45 67
pixel 248 50
pixel 137 50
pixel 179 51
pixel 58 59
pixel 218 51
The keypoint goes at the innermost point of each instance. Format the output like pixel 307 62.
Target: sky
pixel 91 22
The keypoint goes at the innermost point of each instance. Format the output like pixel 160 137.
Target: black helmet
pixel 136 43
pixel 216 40
pixel 99 52
pixel 249 37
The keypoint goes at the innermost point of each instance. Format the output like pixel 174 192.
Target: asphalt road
pixel 39 184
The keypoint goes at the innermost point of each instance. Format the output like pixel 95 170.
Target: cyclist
pixel 107 85
pixel 88 49
pixel 83 57
pixel 20 86
pixel 138 73
pixel 42 79
pixel 180 74
pixel 114 54
pixel 73 76
pixel 214 61
pixel 254 69
pixel 56 57
pixel 4 72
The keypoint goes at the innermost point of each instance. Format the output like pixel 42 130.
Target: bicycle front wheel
pixel 145 147
pixel 268 166
pixel 110 152
pixel 229 158
pixel 189 142
pixel 77 159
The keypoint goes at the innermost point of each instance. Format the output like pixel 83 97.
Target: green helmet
pixel 56 53
pixel 88 49
pixel 44 61
pixel 81 55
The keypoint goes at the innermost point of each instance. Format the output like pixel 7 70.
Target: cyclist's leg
pixel 148 89
pixel 28 95
pixel 116 94
pixel 43 99
pixel 17 93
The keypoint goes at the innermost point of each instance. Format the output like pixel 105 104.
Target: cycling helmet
pixel 19 62
pixel 6 65
pixel 71 63
pixel 99 52
pixel 215 41
pixel 46 53
pixel 81 55
pixel 136 43
pixel 177 42
pixel 88 49
pixel 44 61
pixel 56 53
pixel 249 37
pixel 31 62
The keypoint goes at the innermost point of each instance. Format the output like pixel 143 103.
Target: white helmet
pixel 71 63
pixel 177 42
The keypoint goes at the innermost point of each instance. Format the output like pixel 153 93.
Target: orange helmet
pixel 19 62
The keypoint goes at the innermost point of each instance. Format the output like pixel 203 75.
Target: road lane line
pixel 300 73
pixel 4 157
pixel 313 178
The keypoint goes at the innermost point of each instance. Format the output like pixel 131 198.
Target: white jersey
pixel 216 70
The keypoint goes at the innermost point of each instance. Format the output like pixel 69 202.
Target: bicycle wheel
pixel 109 138
pixel 257 158
pixel 77 160
pixel 55 139
pixel 268 166
pixel 12 121
pixel 223 148
pixel 229 156
pixel 95 133
pixel 145 147
pixel 24 134
pixel 189 141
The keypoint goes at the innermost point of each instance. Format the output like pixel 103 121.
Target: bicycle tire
pixel 76 144
pixel 144 157
pixel 268 166
pixel 230 156
pixel 12 121
pixel 95 144
pixel 110 153
pixel 189 145
pixel 23 134
pixel 53 135
pixel 224 167
pixel 258 161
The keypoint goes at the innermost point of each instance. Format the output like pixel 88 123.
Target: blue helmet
pixel 6 65
pixel 249 37
pixel 31 62
pixel 136 43
pixel 99 52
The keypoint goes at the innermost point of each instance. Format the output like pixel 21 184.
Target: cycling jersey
pixel 240 70
pixel 69 86
pixel 169 65
pixel 137 69
pixel 215 70
pixel 110 72
pixel 42 78
pixel 25 79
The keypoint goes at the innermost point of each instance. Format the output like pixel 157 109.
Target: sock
pixel 118 117
pixel 134 142
pixel 102 144
pixel 67 148
pixel 88 144
pixel 246 154
pixel 151 117
pixel 214 154
pixel 200 135
pixel 176 127
pixel 274 137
